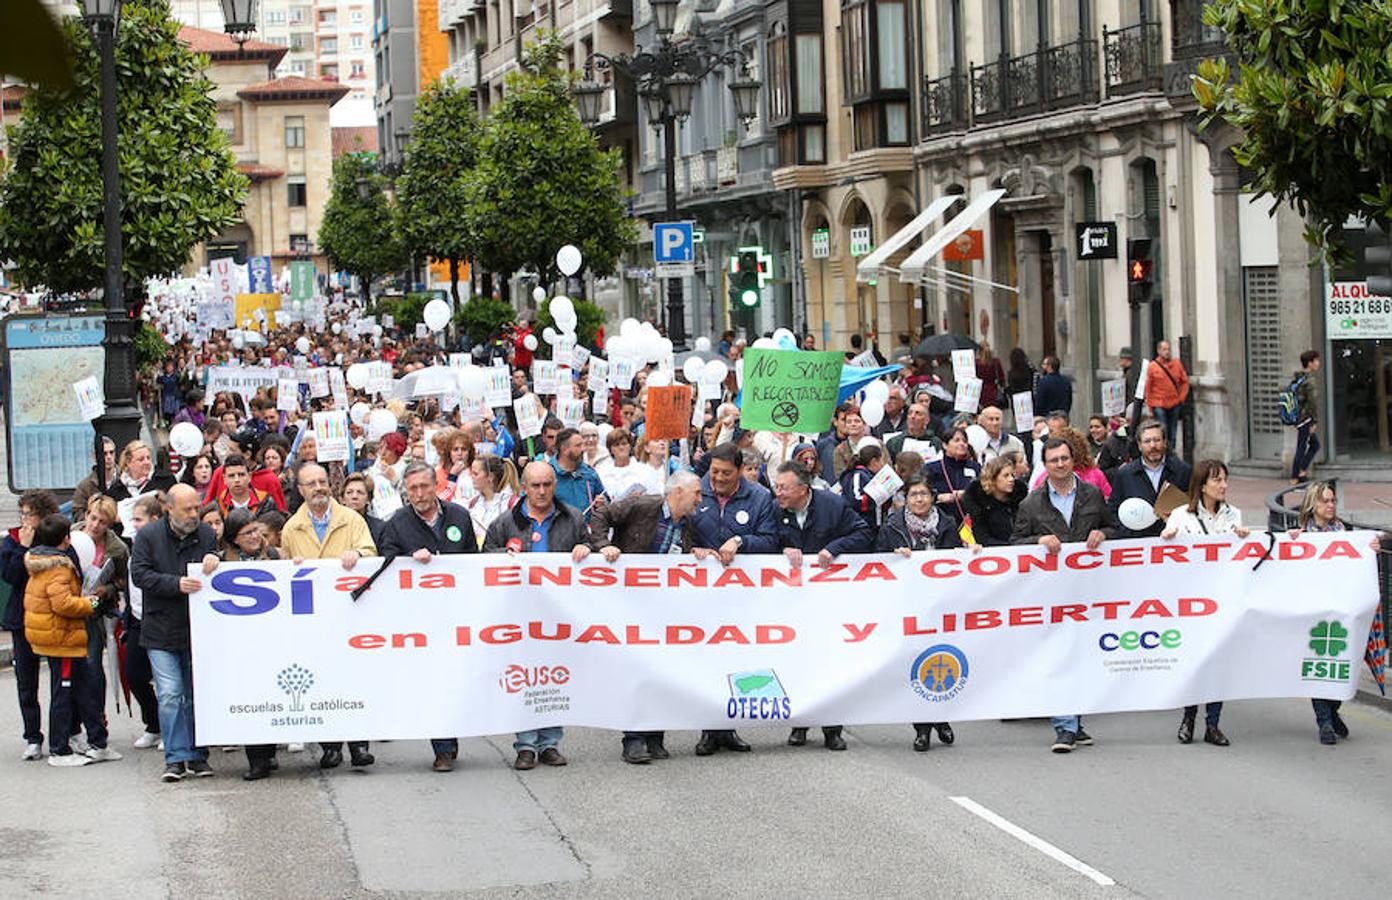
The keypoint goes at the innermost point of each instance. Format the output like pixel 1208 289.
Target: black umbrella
pixel 943 344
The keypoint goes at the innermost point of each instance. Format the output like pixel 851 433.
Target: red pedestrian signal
pixel 1141 271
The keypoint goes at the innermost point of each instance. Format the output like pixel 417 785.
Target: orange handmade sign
pixel 668 413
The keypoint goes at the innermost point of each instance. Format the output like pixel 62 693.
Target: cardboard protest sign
pixel 499 391
pixel 288 394
pixel 1022 404
pixel 599 374
pixel 528 414
pixel 668 413
pixel 968 395
pixel 884 485
pixel 89 397
pixel 571 412
pixel 1113 397
pixel 544 376
pixel 331 436
pixel 963 365
pixel 790 390
pixel 621 373
pixel 1141 379
pixel 318 381
pixel 338 388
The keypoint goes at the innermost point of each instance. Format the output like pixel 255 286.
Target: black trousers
pixel 260 755
pixel 139 676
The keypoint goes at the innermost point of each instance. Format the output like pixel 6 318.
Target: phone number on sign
pixel 1369 306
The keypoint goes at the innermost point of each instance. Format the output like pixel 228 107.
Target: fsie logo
pixel 1328 640
pixel 939 673
pixel 757 695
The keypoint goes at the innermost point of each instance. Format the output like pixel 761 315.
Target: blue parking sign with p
pixel 674 242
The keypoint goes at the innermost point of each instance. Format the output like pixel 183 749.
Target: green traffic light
pixel 749 297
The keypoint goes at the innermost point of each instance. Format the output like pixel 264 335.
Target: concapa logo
pixel 939 673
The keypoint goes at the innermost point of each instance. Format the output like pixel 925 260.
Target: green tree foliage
pixel 361 236
pixel 588 319
pixel 407 312
pixel 150 347
pixel 483 317
pixel 1311 97
pixel 179 180
pixel 32 47
pixel 541 180
pixel 433 187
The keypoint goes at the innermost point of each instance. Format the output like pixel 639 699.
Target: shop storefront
pixel 1358 372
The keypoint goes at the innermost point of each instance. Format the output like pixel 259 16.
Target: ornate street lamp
pixel 666 79
pixel 239 19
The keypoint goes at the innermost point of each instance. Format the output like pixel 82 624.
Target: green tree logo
pixel 1329 638
pixel 295 680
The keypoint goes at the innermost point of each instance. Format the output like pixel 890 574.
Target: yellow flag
pixel 965 532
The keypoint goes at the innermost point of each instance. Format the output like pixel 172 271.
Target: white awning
pixel 869 268
pixel 911 269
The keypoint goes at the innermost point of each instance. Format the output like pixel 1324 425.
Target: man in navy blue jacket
pixel 1146 477
pixel 1054 392
pixel 821 523
pixel 733 516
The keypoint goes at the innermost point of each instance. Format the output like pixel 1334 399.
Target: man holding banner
pixel 1065 510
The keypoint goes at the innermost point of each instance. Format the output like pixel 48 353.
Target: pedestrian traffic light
pixel 1140 269
pixel 749 271
pixel 1377 260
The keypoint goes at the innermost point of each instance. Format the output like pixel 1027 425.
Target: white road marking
pixel 1033 840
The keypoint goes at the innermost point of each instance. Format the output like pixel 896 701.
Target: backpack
pixel 1288 403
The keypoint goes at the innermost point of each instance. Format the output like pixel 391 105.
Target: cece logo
pixel 1140 640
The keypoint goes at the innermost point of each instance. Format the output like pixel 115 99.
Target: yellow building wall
pixel 434 44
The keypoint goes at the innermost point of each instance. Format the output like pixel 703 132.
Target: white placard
pixel 565 384
pixel 579 356
pixel 499 392
pixel 963 364
pixel 543 376
pixel 599 374
pixel 89 398
pixel 621 373
pixel 884 485
pixel 422 331
pixel 318 381
pixel 865 360
pixel 338 388
pixel 459 360
pixel 388 321
pixel 528 415
pixel 571 412
pixel 288 394
pixel 1141 380
pixel 563 349
pixel 926 449
pixel 1022 405
pixel 1113 397
pixel 379 378
pixel 331 436
pixel 968 395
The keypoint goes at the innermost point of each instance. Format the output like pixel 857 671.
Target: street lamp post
pixel 666 79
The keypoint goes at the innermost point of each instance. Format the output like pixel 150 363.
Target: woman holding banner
pixel 1207 512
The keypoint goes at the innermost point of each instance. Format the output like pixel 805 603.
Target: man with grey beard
pixel 164 549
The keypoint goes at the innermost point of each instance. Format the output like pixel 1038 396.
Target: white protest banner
pixel 571 412
pixel 528 412
pixel 963 365
pixel 239 380
pixel 499 392
pixel 884 485
pixel 1141 379
pixel 654 643
pixel 331 436
pixel 599 374
pixel 89 398
pixel 1113 397
pixel 338 387
pixel 543 376
pixel 1022 405
pixel 288 394
pixel 968 395
pixel 318 381
pixel 621 373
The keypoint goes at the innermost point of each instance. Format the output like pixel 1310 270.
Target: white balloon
pixel 665 346
pixel 715 371
pixel 358 413
pixel 380 423
pixel 1136 514
pixel 186 438
pixel 436 314
pixel 764 343
pixel 691 369
pixel 238 342
pixel 566 322
pixel 976 437
pixel 877 390
pixel 560 306
pixel 629 328
pixel 337 328
pixel 530 342
pixel 659 378
pixel 702 344
pixel 376 331
pixel 739 372
pixel 538 294
pixel 357 375
pixel 872 411
pixel 85 548
pixel 652 347
pixel 617 345
pixel 474 383
pixel 568 259
pixel 302 345
pixel 784 339
pixel 549 335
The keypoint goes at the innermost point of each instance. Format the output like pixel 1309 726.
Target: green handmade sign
pixel 790 390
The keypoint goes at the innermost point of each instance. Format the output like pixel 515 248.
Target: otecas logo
pixel 518 678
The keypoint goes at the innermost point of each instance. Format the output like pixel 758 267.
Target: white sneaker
pixel 294 748
pixel 68 760
pixel 146 741
pixel 32 751
pixel 79 744
pixel 230 749
pixel 102 754
pixel 160 746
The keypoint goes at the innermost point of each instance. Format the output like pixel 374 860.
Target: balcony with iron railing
pixel 1132 58
pixel 1048 79
pixel 945 104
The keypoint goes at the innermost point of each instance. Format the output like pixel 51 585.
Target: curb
pixel 6 657
pixel 1371 697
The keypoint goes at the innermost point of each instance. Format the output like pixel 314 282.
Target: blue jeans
pixel 1211 712
pixel 1067 723
pixel 1307 444
pixel 1169 418
pixel 174 688
pixel 538 739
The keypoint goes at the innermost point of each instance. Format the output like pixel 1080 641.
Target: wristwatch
pixel 739 541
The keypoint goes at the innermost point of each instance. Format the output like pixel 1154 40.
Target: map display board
pixel 49 443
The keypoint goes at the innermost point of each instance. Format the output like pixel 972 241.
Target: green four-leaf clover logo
pixel 1328 639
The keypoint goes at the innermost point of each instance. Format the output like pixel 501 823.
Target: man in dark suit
pixel 1065 509
pixel 1146 477
pixel 647 523
pixel 820 523
pixel 1054 392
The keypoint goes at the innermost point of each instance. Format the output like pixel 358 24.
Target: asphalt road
pixel 997 815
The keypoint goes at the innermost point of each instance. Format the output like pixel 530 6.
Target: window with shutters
pixel 1267 370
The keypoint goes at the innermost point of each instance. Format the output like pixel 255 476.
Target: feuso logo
pixel 939 673
pixel 518 678
pixel 1328 641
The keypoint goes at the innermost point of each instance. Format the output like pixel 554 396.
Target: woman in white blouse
pixel 495 492
pixel 1206 513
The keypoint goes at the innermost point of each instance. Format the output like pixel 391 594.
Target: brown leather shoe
pixel 526 759
pixel 443 763
pixel 552 757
